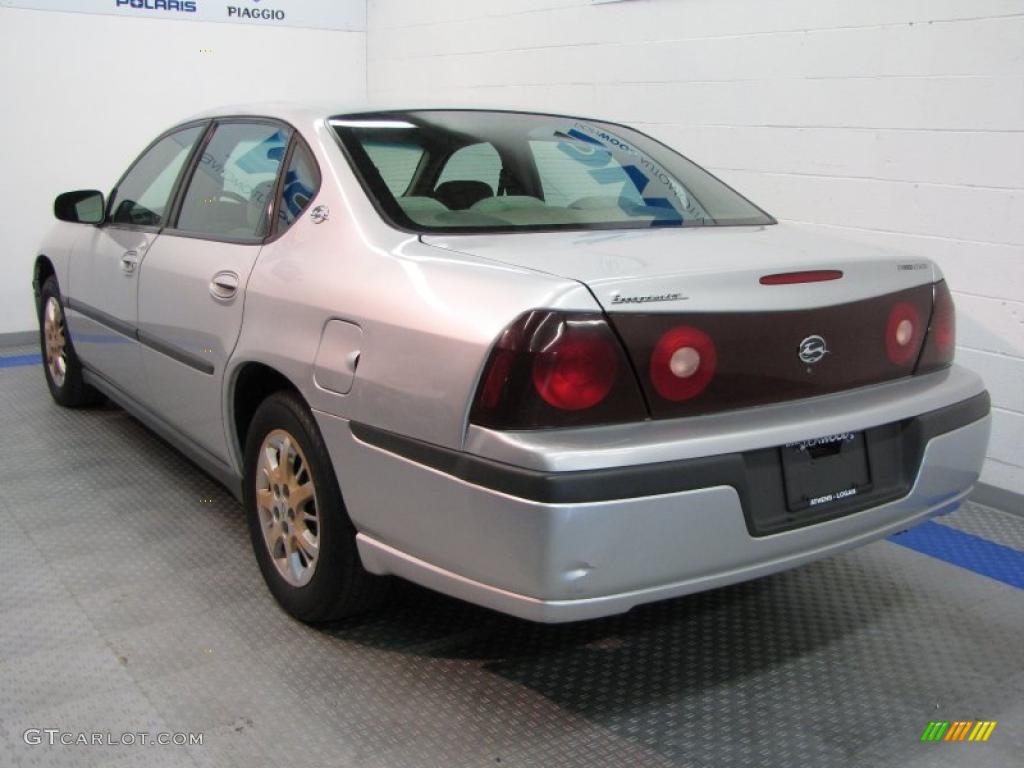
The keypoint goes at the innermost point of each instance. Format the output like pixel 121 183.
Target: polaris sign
pixel 185 6
pixel 315 14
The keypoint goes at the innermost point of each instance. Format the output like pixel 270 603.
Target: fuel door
pixel 337 357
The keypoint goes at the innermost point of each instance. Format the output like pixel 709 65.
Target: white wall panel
pixel 1002 475
pixel 980 214
pixel 870 153
pixel 1007 428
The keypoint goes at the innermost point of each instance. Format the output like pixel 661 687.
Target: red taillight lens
pixel 683 363
pixel 493 385
pixel 553 369
pixel 903 334
pixel 940 343
pixel 577 369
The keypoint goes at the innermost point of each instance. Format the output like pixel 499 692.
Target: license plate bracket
pixel 821 472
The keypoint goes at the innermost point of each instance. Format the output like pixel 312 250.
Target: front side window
pixel 230 191
pixel 508 171
pixel 143 195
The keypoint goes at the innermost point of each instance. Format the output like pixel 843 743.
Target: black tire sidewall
pixel 338 557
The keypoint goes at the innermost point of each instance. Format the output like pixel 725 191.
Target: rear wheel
pixel 301 534
pixel 61 366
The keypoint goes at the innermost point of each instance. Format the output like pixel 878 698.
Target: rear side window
pixel 301 182
pixel 142 197
pixel 231 188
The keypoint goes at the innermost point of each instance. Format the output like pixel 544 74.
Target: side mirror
pixel 85 206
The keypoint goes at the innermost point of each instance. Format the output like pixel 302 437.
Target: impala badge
pixel 320 214
pixel 618 298
pixel 813 349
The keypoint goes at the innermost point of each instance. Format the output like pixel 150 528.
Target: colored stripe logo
pixel 959 730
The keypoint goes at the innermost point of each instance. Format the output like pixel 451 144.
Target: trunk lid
pixel 699 292
pixel 706 268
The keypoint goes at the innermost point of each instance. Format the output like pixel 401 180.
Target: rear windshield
pixel 479 171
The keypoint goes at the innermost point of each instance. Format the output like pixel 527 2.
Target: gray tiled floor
pixel 129 604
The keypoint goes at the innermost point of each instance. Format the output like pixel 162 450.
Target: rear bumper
pixel 550 546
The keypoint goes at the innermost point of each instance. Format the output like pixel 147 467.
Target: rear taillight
pixel 903 333
pixel 940 341
pixel 577 369
pixel 683 363
pixel 554 369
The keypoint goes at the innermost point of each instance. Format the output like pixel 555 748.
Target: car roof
pixel 304 111
pixel 290 111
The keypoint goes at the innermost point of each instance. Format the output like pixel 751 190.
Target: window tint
pixel 301 182
pixel 230 191
pixel 477 162
pixel 142 197
pixel 396 164
pixel 567 178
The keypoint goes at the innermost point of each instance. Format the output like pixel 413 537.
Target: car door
pixel 192 282
pixel 101 294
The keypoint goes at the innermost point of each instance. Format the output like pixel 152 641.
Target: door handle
pixel 129 262
pixel 224 285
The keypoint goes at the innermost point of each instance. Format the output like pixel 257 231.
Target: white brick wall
pixel 898 122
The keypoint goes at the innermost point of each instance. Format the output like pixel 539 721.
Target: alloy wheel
pixel 56 342
pixel 287 506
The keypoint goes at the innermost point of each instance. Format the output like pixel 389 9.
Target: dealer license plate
pixel 825 471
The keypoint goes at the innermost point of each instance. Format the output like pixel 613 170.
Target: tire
pixel 61 366
pixel 320 583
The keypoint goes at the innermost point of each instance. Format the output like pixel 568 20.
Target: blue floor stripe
pixel 966 550
pixel 14 362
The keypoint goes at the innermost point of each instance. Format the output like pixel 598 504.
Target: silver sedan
pixel 541 363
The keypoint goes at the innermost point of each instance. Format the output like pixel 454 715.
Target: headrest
pixel 461 194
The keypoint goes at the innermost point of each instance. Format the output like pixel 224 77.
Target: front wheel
pixel 61 366
pixel 301 533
